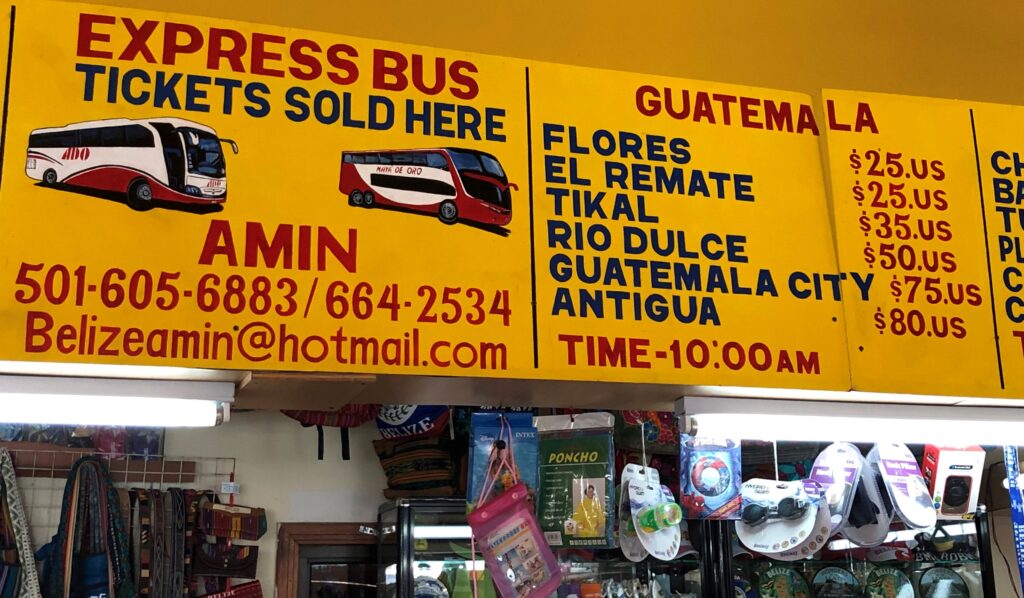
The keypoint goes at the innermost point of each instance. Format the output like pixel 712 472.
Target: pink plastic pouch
pixel 507 534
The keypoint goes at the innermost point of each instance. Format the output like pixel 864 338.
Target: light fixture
pixel 811 421
pixel 442 532
pixel 113 402
pixel 905 535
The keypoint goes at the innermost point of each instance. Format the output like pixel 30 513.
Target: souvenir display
pixel 783 582
pixel 653 432
pixel 835 582
pixel 942 582
pixel 18 576
pixel 349 416
pixel 490 436
pixel 776 516
pixel 629 542
pixel 888 582
pixel 576 494
pixel 954 475
pixel 416 466
pixel 710 477
pixel 904 484
pixel 819 534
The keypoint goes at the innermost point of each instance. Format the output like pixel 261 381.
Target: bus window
pixel 372 159
pixel 402 158
pixel 492 167
pixel 419 159
pixel 112 137
pixel 465 161
pixel 346 158
pixel 384 158
pixel 89 137
pixel 435 160
pixel 138 136
pixel 48 140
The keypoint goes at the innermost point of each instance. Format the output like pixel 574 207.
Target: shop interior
pixel 366 490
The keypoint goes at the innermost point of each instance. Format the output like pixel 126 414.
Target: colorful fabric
pixel 417 466
pixel 90 524
pixel 28 578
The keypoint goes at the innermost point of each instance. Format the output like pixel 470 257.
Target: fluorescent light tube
pixel 113 402
pixel 812 421
pixel 442 532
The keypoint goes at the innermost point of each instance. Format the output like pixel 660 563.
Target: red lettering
pixel 727 102
pixel 138 44
pixel 419 75
pixel 702 108
pixel 459 73
pixel 86 35
pixel 389 70
pixel 256 244
pixel 325 241
pixel 66 336
pixel 218 242
pixel 233 52
pixel 338 56
pixel 37 328
pixel 748 112
pixel 637 351
pixel 307 60
pixel 172 47
pixel 833 123
pixel 261 55
pixel 570 340
pixel 648 102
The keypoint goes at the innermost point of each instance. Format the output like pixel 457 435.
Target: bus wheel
pixel 355 198
pixel 50 176
pixel 368 199
pixel 140 195
pixel 449 212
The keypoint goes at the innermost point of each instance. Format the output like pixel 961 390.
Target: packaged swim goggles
pixel 775 516
pixel 903 484
pixel 871 512
pixel 837 470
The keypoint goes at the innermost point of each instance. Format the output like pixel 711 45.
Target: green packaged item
pixel 576 495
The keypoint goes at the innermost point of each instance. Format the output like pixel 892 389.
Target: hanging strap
pixel 28 584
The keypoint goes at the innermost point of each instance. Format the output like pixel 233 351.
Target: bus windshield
pixel 204 153
pixel 479 163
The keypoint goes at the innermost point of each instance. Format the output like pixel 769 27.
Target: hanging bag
pixel 507 532
pixel 18 577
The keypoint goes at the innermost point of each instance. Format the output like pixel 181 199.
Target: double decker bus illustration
pixel 148 160
pixel 453 184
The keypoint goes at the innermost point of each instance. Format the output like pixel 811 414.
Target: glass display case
pixel 425 552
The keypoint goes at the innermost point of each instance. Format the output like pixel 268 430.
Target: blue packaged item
pixel 486 428
pixel 710 476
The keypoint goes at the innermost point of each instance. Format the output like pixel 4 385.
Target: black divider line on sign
pixel 7 95
pixel 533 247
pixel 988 255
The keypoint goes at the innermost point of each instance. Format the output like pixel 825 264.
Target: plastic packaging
pixel 904 484
pixel 486 431
pixel 776 516
pixel 709 477
pixel 644 495
pixel 508 536
pixel 870 515
pixel 838 469
pixel 576 494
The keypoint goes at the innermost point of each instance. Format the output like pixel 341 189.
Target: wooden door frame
pixel 291 537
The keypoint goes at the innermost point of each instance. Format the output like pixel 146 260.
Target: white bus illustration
pixel 148 160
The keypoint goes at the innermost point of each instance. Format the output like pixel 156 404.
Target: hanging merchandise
pixel 837 470
pixel 660 431
pixel 513 546
pixel 954 479
pixel 144 443
pixel 655 514
pixel 820 533
pixel 89 555
pixel 576 489
pixel 417 466
pixel 492 434
pixel 943 582
pixel 253 589
pixel 710 477
pixel 836 582
pixel 903 484
pixel 871 512
pixel 776 516
pixel 629 542
pixel 18 577
pixel 396 421
pixel 349 416
pixel 743 588
pixel 888 582
pixel 232 522
pixel 782 582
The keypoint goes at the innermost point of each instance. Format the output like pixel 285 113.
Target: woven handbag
pixel 253 589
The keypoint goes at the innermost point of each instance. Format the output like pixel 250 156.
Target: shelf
pixel 843 563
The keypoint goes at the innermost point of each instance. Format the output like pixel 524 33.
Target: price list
pixel 907 210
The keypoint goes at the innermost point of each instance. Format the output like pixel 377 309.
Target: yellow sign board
pixel 187 191
pixel 909 211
